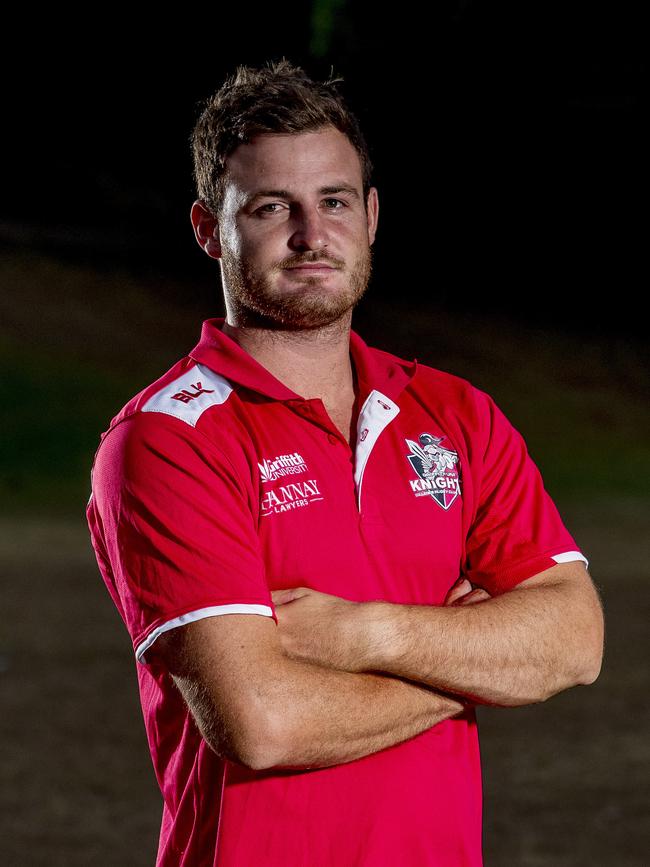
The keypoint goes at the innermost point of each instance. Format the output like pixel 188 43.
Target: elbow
pixel 266 730
pixel 593 642
pixel 582 668
pixel 233 747
pixel 590 676
pixel 255 759
pixel 263 747
pixel 259 757
pixel 280 745
pixel 242 742
pixel 583 674
pixel 585 664
pixel 582 658
pixel 591 667
pixel 254 754
pixel 578 664
pixel 593 646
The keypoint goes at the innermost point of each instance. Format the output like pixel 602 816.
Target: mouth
pixel 312 268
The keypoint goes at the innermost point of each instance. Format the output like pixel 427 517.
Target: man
pixel 381 518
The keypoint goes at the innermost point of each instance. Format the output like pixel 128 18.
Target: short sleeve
pixel 173 528
pixel 517 531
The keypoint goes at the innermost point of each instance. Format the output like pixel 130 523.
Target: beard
pixel 255 301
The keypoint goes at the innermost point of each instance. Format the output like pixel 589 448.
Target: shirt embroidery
pixel 281 465
pixel 436 469
pixel 295 495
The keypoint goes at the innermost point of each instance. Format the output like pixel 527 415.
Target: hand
pixel 335 632
pixel 318 627
pixel 462 593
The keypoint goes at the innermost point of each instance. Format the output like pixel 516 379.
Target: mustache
pixel 315 259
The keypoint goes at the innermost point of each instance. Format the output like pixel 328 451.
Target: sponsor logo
pixel 282 465
pixel 295 495
pixel 186 396
pixel 436 469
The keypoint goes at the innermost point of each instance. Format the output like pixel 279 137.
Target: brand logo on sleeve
pixel 185 395
pixel 436 469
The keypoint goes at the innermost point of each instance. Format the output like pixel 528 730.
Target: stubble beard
pixel 255 302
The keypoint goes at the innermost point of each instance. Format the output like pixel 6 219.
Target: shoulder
pixel 449 396
pixel 185 392
pixel 455 393
pixel 167 419
pixel 472 418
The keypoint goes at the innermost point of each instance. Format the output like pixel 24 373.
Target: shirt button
pixel 332 439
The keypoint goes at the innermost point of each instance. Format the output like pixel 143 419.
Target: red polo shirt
pixel 217 484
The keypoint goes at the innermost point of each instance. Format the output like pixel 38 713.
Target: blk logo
pixel 186 396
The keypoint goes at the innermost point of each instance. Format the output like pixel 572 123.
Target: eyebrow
pixel 286 194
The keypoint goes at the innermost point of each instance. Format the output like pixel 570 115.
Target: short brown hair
pixel 277 98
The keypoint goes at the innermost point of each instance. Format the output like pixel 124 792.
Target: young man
pixel 381 518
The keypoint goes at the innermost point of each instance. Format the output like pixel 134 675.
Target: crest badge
pixel 436 468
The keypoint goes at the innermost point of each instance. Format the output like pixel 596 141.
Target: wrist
pixel 378 635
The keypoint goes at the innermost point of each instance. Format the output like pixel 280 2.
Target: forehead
pixel 294 160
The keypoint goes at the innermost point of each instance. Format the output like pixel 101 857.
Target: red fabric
pixel 218 492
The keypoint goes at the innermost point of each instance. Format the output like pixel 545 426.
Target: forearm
pixel 514 649
pixel 324 717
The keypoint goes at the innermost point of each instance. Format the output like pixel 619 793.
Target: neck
pixel 312 362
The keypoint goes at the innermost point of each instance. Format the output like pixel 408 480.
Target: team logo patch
pixel 436 468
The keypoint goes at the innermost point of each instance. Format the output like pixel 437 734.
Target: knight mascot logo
pixel 436 468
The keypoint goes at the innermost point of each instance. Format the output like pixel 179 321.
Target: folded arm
pixel 255 706
pixel 520 647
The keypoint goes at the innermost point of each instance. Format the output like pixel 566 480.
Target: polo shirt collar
pixel 225 356
pixel 380 370
pixel 375 369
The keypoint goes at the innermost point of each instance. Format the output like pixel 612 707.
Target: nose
pixel 310 232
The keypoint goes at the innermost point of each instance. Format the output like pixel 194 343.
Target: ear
pixel 206 229
pixel 372 210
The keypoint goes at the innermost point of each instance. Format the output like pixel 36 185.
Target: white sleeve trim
pixel 567 556
pixel 199 614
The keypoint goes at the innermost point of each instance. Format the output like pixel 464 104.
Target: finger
pixel 279 597
pixel 477 595
pixel 460 588
pixel 288 594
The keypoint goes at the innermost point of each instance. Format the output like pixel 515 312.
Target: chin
pixel 294 313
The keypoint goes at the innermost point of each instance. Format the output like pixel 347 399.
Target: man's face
pixel 293 201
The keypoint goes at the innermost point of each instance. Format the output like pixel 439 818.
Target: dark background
pixel 509 144
pixel 510 151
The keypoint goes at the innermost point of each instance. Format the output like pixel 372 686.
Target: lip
pixel 311 268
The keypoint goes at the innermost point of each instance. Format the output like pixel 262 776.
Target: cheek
pixel 231 241
pixel 262 247
pixel 356 234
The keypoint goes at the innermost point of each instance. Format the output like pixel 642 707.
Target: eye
pixel 269 205
pixel 335 200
